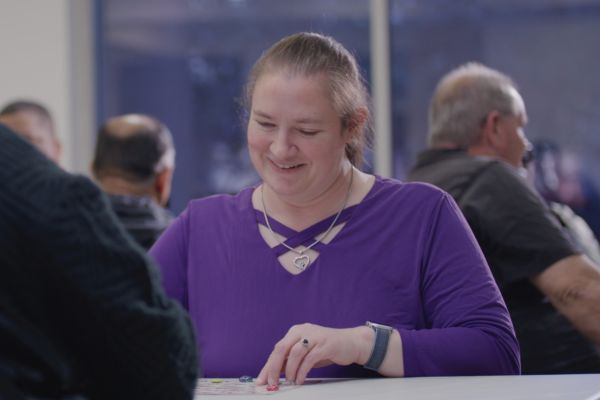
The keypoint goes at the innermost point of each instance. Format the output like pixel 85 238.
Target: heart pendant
pixel 301 262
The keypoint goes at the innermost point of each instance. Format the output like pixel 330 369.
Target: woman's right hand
pixel 309 346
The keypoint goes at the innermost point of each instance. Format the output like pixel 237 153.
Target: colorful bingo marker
pixel 272 388
pixel 216 380
pixel 245 378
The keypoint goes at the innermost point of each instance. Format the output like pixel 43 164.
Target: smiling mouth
pixel 287 166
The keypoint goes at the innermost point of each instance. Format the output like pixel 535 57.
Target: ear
pixel 58 151
pixel 162 186
pixel 356 123
pixel 492 133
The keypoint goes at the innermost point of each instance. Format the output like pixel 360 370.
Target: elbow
pixel 581 291
pixel 570 282
pixel 508 356
pixel 580 304
pixel 511 365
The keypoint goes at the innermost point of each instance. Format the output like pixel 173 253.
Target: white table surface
pixel 532 387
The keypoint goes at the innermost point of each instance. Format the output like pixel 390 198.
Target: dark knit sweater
pixel 82 312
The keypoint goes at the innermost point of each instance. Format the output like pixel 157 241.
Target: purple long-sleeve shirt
pixel 405 258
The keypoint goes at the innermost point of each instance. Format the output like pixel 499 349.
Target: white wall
pixel 47 50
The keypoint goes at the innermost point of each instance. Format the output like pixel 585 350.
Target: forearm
pixel 438 352
pixel 393 362
pixel 456 351
pixel 581 306
pixel 573 286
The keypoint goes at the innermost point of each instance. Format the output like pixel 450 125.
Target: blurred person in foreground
pixel 477 145
pixel 282 277
pixel 133 162
pixel 82 313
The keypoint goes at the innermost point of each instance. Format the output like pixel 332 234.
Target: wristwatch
pixel 382 338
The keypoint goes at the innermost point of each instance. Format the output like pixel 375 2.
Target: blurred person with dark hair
pixel 82 312
pixel 134 162
pixel 34 122
pixel 476 150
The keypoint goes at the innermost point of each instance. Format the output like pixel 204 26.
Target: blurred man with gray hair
pixel 133 163
pixel 477 145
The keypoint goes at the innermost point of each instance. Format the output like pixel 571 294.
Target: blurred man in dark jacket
pixel 477 145
pixel 134 162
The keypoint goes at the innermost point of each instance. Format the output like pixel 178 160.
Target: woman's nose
pixel 282 145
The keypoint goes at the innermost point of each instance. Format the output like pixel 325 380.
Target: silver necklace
pixel 301 261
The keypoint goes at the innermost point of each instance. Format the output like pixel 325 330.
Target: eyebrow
pixel 297 121
pixel 308 121
pixel 261 114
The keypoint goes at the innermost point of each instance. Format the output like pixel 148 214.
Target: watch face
pixel 375 325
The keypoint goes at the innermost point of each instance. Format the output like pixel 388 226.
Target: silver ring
pixel 305 343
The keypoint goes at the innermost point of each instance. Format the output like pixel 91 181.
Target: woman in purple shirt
pixel 281 277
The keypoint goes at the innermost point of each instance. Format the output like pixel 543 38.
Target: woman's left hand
pixel 310 346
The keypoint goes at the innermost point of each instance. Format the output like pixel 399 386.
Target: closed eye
pixel 265 124
pixel 308 132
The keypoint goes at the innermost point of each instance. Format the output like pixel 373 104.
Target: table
pixel 526 387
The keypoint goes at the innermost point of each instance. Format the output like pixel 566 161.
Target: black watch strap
pixel 382 339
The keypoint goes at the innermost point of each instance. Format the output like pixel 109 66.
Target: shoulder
pixel 396 196
pixel 385 187
pixel 502 185
pixel 220 206
pixel 223 201
pixel 414 208
pixel 505 211
pixel 496 174
pixel 441 165
pixel 205 221
pixel 504 172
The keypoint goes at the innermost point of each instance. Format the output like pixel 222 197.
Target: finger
pixel 265 373
pixel 261 379
pixel 295 357
pixel 308 362
pixel 276 362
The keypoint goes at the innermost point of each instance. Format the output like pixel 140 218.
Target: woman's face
pixel 295 135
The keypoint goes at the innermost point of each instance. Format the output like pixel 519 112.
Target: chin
pixel 282 189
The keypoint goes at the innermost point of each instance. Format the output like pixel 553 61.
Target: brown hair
pixel 310 54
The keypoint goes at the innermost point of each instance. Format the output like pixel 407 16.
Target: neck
pixel 445 146
pixel 120 186
pixel 482 151
pixel 300 215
